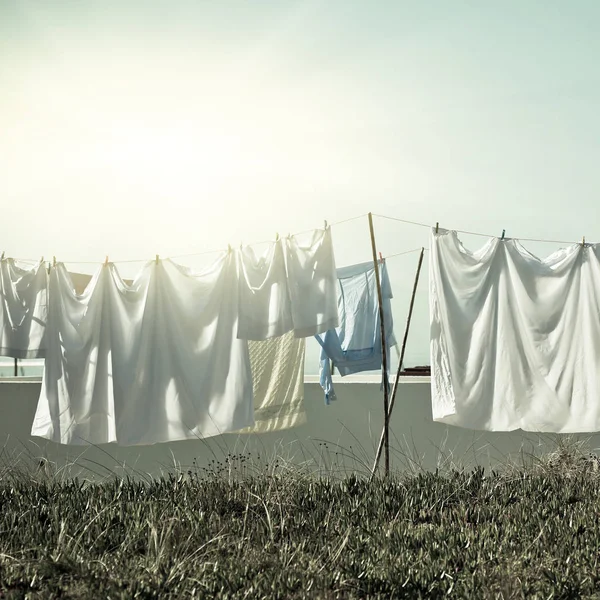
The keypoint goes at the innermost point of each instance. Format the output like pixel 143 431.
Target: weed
pixel 242 529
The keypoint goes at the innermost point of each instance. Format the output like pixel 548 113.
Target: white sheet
pixel 312 282
pixel 80 281
pixel 515 340
pixel 23 310
pixel 278 383
pixel 265 306
pixel 156 361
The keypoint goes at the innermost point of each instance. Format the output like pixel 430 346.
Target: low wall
pixel 337 438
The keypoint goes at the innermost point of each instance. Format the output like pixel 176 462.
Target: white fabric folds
pixel 515 340
pixel 312 282
pixel 23 310
pixel 278 383
pixel 155 361
pixel 265 306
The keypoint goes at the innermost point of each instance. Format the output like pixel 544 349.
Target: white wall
pixel 336 437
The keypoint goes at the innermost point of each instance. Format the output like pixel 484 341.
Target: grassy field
pixel 523 532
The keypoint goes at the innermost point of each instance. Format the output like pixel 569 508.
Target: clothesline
pixel 215 251
pixel 203 253
pixel 403 253
pixel 488 235
pixel 335 223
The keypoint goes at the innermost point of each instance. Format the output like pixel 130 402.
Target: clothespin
pixel 2 257
pixel 54 261
pixel 157 259
pixel 325 225
pixel 276 237
pixel 582 243
pixel 503 232
pixel 106 261
pixel 229 249
pixel 437 227
pixel 380 257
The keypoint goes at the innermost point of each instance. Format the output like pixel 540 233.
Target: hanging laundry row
pixel 166 357
pixel 174 355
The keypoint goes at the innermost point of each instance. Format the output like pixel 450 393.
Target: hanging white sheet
pixel 515 340
pixel 265 305
pixel 23 310
pixel 278 383
pixel 80 281
pixel 312 282
pixel 156 361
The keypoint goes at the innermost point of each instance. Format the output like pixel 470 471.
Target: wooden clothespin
pixel 106 262
pixel 157 258
pixel 503 232
pixel 325 225
pixel 276 237
pixel 380 257
pixel 2 257
pixel 583 242
pixel 54 261
pixel 437 227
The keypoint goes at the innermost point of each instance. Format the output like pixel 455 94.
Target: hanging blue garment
pixel 355 346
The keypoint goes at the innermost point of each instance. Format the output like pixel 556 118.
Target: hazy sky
pixel 133 128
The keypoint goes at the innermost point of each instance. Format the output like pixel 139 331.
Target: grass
pixel 233 532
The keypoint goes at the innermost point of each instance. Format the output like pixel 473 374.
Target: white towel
pixel 312 281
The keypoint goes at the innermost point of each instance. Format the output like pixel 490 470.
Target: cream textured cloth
pixel 278 383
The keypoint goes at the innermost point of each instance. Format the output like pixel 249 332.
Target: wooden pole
pixel 385 434
pixel 386 441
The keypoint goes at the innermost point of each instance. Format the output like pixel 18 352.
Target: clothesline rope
pixel 335 223
pixel 403 253
pixel 205 252
pixel 488 235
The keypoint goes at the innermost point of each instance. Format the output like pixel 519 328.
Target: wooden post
pixel 386 440
pixel 385 434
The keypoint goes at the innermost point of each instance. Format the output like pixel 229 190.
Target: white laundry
pixel 515 340
pixel 80 281
pixel 312 282
pixel 156 361
pixel 278 380
pixel 265 306
pixel 23 310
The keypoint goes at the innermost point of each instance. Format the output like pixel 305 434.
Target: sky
pixel 135 128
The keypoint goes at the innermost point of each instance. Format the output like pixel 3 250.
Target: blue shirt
pixel 355 346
